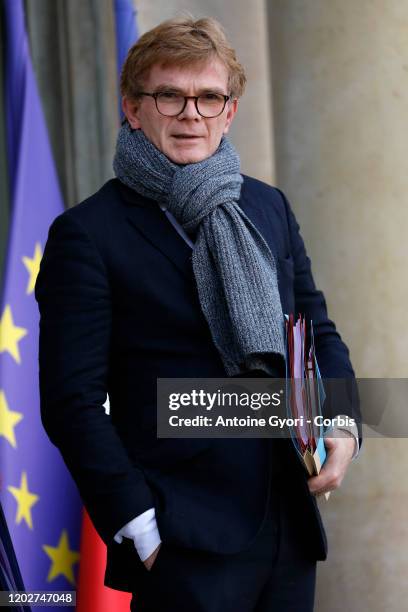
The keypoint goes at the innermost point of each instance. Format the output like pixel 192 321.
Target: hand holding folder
pixel 304 396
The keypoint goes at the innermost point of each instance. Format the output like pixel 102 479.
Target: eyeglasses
pixel 171 104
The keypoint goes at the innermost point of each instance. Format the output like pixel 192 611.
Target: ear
pixel 131 111
pixel 232 109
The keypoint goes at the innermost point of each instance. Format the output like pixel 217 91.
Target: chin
pixel 188 156
pixel 191 158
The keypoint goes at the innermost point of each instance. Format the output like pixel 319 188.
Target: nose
pixel 190 111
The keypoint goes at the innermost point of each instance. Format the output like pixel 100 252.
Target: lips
pixel 181 136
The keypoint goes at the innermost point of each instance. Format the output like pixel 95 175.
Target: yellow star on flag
pixel 10 334
pixel 25 501
pixel 8 420
pixel 33 266
pixel 62 559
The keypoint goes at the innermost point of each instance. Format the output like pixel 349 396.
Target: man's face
pixel 187 138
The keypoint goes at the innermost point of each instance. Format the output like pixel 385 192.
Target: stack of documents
pixel 304 395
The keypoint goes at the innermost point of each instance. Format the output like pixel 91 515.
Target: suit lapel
pixel 148 219
pixel 258 216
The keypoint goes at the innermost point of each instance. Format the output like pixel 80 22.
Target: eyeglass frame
pixel 186 98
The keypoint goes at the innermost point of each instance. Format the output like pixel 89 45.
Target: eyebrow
pixel 204 90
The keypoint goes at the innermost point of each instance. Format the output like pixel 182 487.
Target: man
pixel 181 267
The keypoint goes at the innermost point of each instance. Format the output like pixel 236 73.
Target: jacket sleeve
pixel 72 291
pixel 331 352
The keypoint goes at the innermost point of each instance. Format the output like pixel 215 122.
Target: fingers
pixel 334 469
pixel 329 479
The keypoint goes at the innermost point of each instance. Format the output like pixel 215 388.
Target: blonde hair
pixel 181 41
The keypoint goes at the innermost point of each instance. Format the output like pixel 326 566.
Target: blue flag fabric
pixel 126 33
pixel 39 498
pixel 10 577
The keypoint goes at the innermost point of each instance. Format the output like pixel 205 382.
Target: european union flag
pixel 40 500
pixel 126 33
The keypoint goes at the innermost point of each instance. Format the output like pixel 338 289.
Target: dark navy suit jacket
pixel 119 308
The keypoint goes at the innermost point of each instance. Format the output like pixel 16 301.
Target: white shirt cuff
pixel 351 429
pixel 143 531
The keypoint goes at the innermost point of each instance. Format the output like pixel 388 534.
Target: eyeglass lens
pixel 208 105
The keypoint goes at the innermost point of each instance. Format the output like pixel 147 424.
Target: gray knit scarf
pixel 234 269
